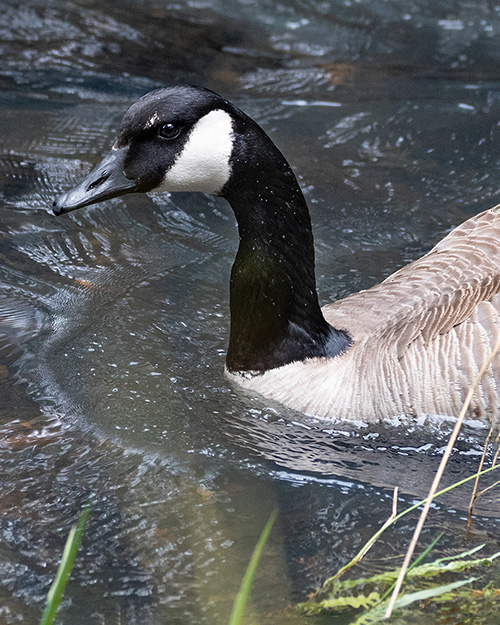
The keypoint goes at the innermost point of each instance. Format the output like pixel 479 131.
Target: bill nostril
pixel 102 178
pixel 57 205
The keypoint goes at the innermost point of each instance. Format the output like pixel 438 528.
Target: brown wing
pixel 431 295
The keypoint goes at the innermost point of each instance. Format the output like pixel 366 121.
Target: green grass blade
pixel 425 553
pixel 461 556
pixel 246 584
pixel 56 591
pixel 414 564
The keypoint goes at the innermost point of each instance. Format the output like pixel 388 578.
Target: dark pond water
pixel 114 319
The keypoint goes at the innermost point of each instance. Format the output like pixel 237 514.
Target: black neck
pixel 275 314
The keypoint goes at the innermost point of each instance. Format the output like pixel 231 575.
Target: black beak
pixel 105 181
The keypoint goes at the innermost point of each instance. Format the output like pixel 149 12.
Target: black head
pixel 174 139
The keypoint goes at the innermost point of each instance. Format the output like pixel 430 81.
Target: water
pixel 114 319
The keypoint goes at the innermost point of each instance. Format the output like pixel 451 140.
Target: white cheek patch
pixel 203 165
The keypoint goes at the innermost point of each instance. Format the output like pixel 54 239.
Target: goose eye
pixel 169 131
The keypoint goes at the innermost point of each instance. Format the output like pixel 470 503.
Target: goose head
pixel 175 139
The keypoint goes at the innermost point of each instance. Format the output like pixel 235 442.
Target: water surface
pixel 114 319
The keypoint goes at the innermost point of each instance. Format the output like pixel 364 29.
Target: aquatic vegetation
pixel 246 583
pixel 424 584
pixel 58 587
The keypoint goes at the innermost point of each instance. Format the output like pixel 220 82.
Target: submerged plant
pixel 424 583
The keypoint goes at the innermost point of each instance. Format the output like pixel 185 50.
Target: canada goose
pixel 410 345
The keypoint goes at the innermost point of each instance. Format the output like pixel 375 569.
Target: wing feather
pixel 432 295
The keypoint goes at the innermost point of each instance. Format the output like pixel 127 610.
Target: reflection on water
pixel 114 320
